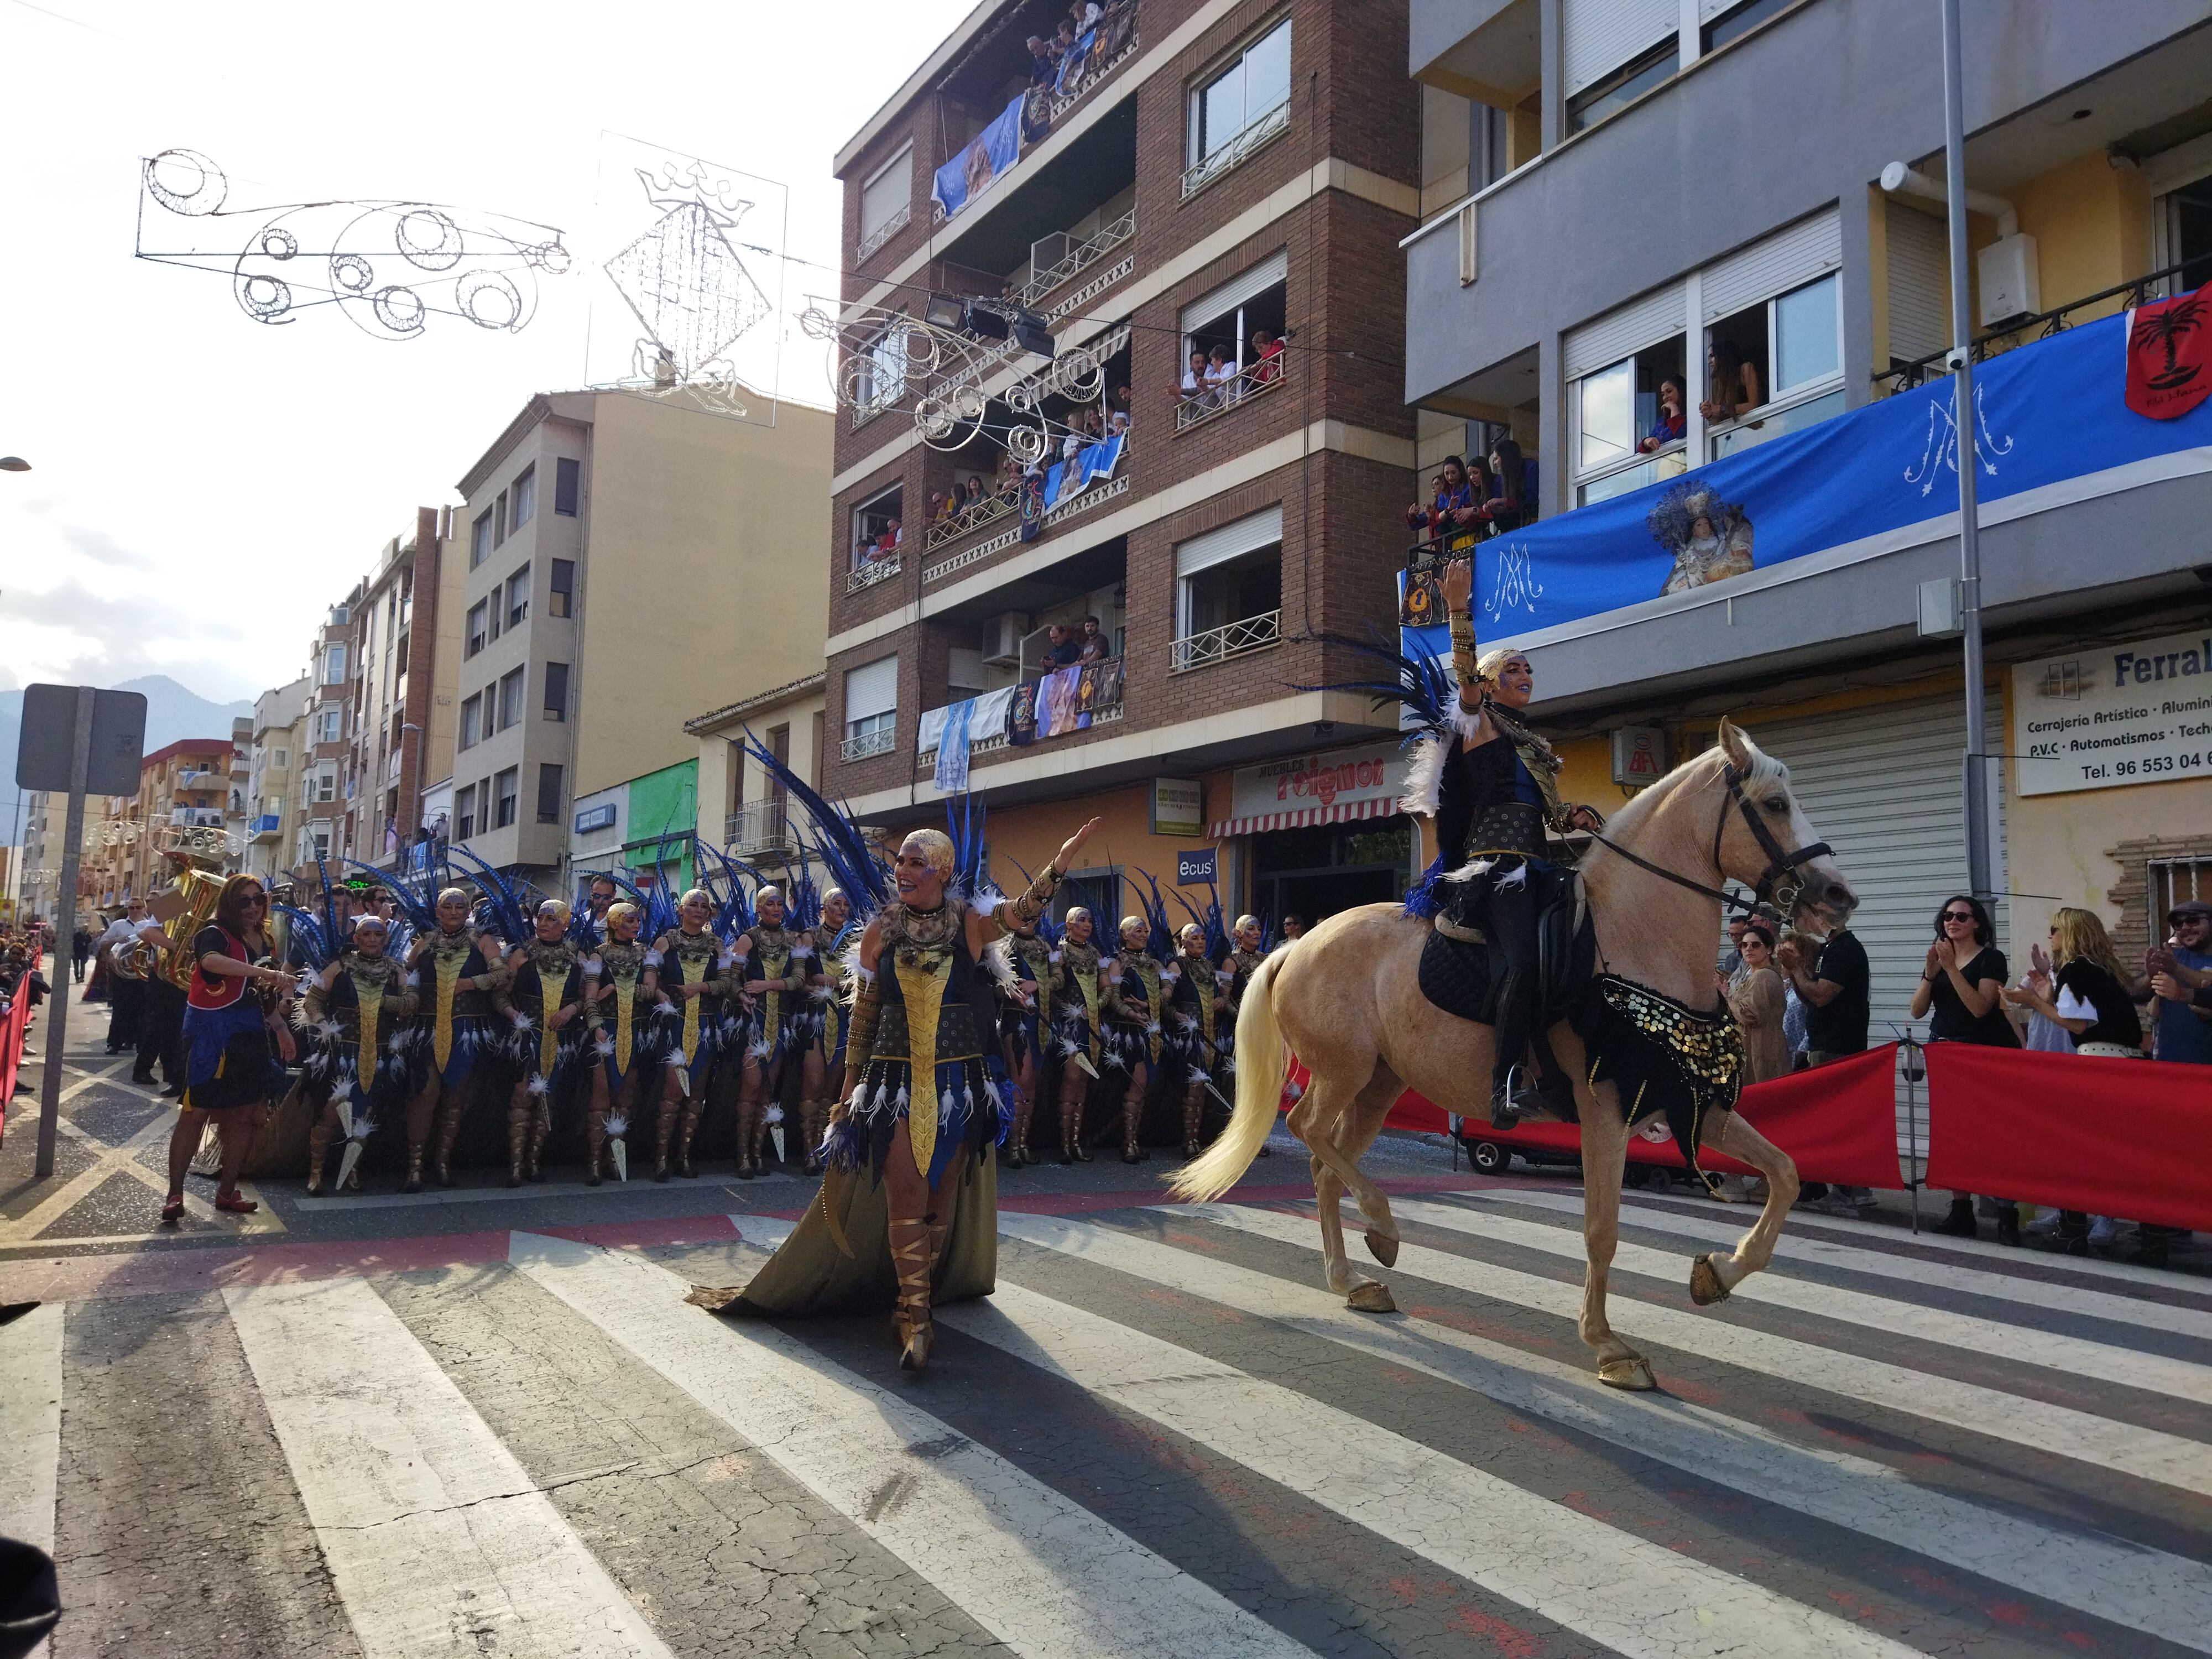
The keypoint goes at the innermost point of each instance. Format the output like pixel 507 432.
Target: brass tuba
pixel 197 888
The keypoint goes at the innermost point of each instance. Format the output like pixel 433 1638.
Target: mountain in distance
pixel 173 712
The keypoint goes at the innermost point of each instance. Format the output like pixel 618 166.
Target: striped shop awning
pixel 1343 811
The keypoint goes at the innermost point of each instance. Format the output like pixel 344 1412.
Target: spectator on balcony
pixel 1044 65
pixel 1193 388
pixel 972 492
pixel 1007 479
pixel 1094 646
pixel 1061 648
pixel 1267 355
pixel 1673 422
pixel 943 504
pixel 1507 506
pixel 1731 384
pixel 1221 375
pixel 1117 424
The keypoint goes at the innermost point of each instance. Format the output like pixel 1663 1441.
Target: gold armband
pixel 1463 657
pixel 1024 912
pixel 860 1033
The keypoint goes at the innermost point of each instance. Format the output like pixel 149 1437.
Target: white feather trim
pixel 773 1114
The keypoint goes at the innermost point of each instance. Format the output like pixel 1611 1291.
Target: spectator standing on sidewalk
pixel 1834 988
pixel 1755 997
pixel 2089 998
pixel 80 953
pixel 2182 1033
pixel 126 995
pixel 1961 996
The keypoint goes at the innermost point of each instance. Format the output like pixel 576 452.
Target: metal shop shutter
pixel 1606 340
pixel 1919 283
pixel 1882 786
pixel 1597 37
pixel 1789 258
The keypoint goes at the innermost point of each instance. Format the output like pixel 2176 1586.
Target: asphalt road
pixel 486 1424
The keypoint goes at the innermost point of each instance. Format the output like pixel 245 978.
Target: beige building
pixel 628 557
pixel 280 718
pixel 741 808
pixel 321 758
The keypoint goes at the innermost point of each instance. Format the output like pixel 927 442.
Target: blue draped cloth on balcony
pixel 986 156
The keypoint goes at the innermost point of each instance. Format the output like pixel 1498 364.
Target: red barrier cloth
pixel 2122 1138
pixel 12 1032
pixel 1838 1122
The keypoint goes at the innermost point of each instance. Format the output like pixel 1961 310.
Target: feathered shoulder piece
pixel 499 910
pixel 308 937
pixel 998 961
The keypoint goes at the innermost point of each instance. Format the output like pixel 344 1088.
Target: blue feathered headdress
pixel 1424 686
pixel 1159 937
pixel 854 862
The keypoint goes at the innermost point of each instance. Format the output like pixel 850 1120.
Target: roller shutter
pixel 1630 328
pixel 1919 283
pixel 1789 258
pixel 1597 37
pixel 1882 786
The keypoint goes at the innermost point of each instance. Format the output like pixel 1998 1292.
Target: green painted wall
pixel 666 801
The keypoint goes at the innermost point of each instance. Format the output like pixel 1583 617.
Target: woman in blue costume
pixel 620 990
pixel 358 1009
pixel 908 1212
pixel 545 1000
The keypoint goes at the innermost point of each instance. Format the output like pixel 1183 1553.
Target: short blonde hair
pixel 699 893
pixel 460 893
pixel 1492 663
pixel 623 910
pixel 936 848
pixel 558 907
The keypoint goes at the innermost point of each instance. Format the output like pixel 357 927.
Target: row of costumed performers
pixel 709 1017
pixel 967 1010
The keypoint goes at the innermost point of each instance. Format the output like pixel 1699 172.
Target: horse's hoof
pixel 1705 1285
pixel 1382 1247
pixel 1633 1374
pixel 1371 1297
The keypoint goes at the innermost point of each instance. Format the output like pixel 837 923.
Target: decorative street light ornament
pixel 885 357
pixel 388 265
pixel 685 283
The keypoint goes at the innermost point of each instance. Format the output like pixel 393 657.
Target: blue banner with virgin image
pixel 988 154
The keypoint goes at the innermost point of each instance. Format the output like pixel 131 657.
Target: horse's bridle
pixel 1782 882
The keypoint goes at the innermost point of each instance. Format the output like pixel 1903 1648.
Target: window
pixel 326 783
pixel 1741 21
pixel 566 474
pixel 1229 591
pixel 479 540
pixel 476 629
pixel 870 708
pixel 322 841
pixel 1249 96
pixel 1225 321
pixel 525 497
pixel 518 596
pixel 330 726
pixel 560 598
pixel 280 758
pixel 888 193
pixel 880 373
pixel 878 524
pixel 549 793
pixel 510 697
pixel 1617 410
pixel 1793 341
pixel 471 723
pixel 499 520
pixel 334 664
pixel 504 786
pixel 465 813
pixel 1624 86
pixel 557 690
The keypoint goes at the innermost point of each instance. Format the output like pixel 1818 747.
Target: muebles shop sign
pixel 2114 715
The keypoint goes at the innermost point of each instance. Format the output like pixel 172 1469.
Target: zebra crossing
pixel 1160 1437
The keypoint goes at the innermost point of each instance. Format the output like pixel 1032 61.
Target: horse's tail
pixel 1261 1064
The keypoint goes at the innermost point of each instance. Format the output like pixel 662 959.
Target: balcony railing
pixel 1253 380
pixel 884 232
pixel 266 827
pixel 1230 640
pixel 1104 715
pixel 879 742
pixel 969 520
pixel 1077 259
pixel 762 827
pixel 882 567
pixel 1260 131
pixel 2141 291
pixel 196 817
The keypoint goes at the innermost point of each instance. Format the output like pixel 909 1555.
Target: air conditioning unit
pixel 1002 638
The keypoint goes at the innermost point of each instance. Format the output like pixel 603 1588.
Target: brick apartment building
pixel 1220 169
pixel 402 664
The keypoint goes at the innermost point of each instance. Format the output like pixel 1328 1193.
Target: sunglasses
pixel 1958 915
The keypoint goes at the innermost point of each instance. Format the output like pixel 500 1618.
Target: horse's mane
pixel 1764 769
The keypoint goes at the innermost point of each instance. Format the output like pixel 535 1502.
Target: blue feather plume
pixel 1425 686
pixel 853 861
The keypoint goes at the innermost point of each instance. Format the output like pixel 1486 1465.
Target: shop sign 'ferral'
pixel 2107 716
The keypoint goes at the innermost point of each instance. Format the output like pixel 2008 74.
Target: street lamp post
pixel 1979 875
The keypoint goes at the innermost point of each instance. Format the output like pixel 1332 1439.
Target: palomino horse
pixel 1347 998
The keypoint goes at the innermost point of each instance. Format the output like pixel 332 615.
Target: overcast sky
pixel 205 485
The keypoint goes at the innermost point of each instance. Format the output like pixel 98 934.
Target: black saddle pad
pixel 1456 976
pixel 1462 977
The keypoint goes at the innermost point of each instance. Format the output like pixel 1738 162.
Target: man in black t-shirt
pixel 1833 989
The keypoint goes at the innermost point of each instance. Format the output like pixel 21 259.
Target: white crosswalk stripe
pixel 1914 1269
pixel 2126 1366
pixel 2149 1454
pixel 1046 1576
pixel 1777 1505
pixel 438 1540
pixel 2150 1590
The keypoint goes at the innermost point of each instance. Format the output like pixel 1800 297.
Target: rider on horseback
pixel 1492 796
